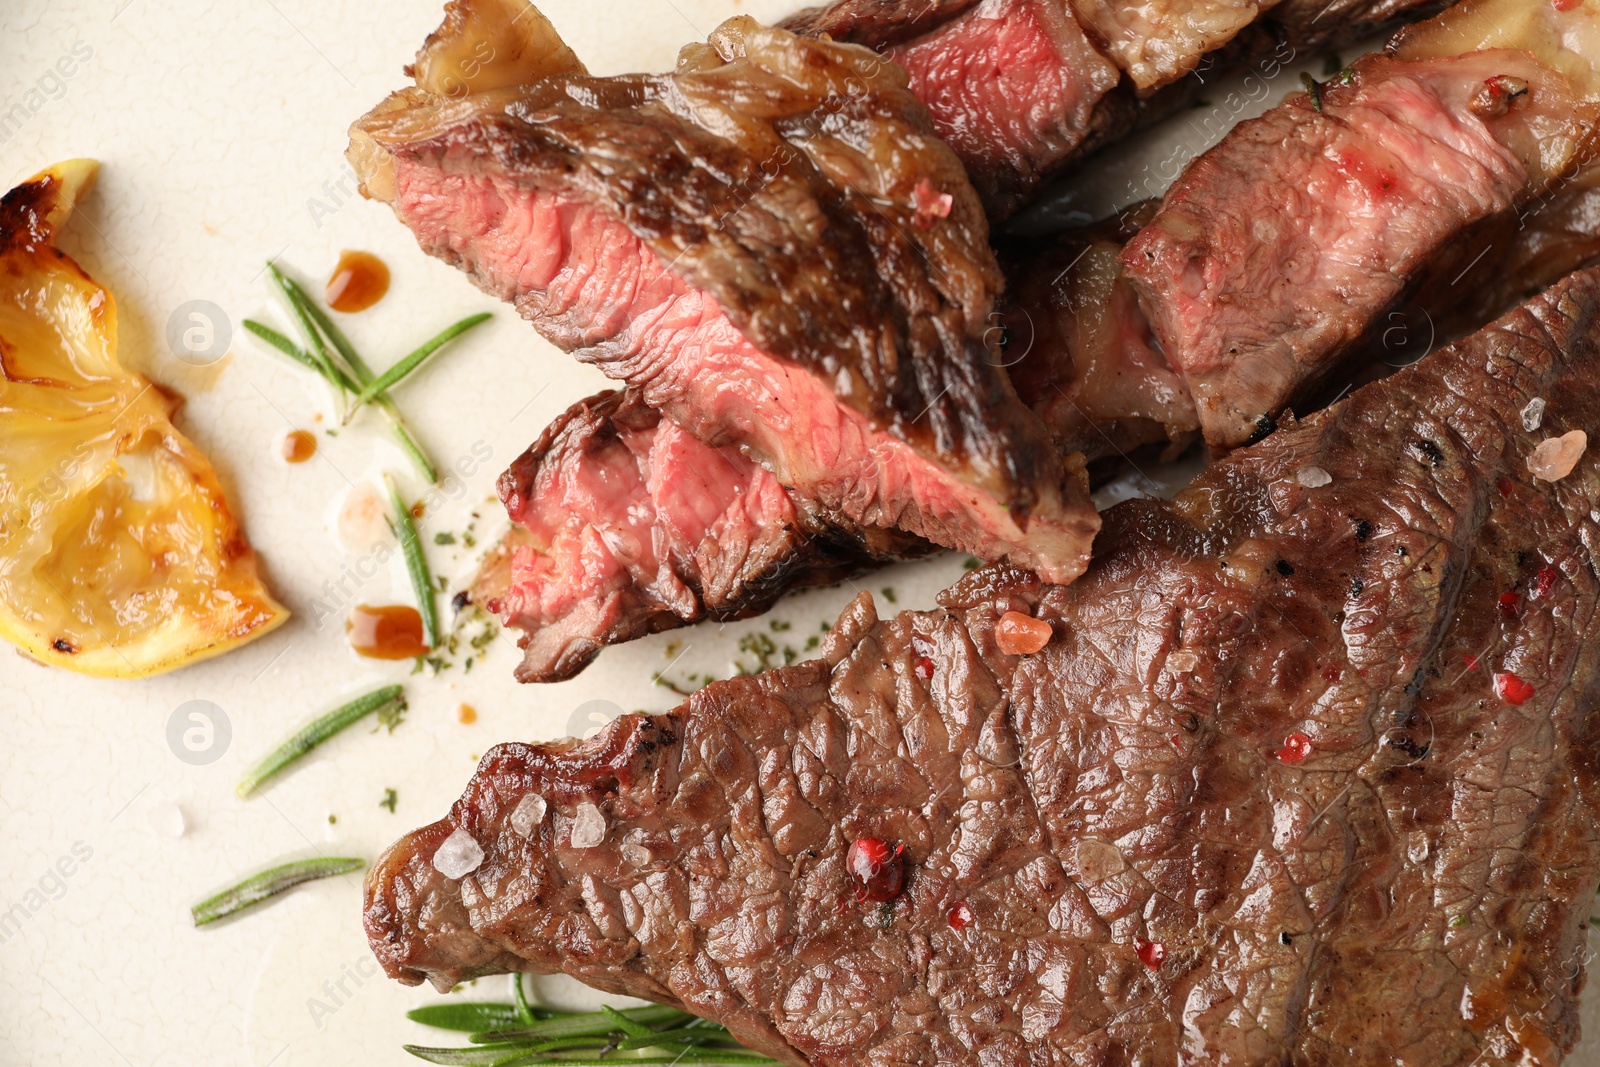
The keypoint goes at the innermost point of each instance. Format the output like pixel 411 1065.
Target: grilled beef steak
pixel 625 525
pixel 1255 289
pixel 1306 773
pixel 771 248
pixel 1023 88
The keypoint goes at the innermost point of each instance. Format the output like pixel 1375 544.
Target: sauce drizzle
pixel 359 280
pixel 392 631
pixel 297 446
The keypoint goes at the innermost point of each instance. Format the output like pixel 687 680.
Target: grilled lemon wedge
pixel 118 556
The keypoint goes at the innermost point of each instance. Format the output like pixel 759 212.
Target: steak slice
pixel 773 250
pixel 1021 89
pixel 1256 289
pixel 625 525
pixel 1306 774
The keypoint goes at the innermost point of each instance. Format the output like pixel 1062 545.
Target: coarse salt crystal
pixel 1533 414
pixel 588 827
pixel 634 850
pixel 167 820
pixel 1098 860
pixel 1555 457
pixel 1314 477
pixel 458 856
pixel 1183 661
pixel 528 814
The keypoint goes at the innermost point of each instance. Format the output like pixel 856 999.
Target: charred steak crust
pixel 876 23
pixel 627 526
pixel 1262 800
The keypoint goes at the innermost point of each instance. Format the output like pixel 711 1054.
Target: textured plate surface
pixel 220 128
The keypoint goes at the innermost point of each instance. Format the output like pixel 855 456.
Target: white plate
pixel 221 131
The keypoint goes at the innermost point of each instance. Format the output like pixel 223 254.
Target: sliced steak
pixel 1306 773
pixel 1075 343
pixel 1023 88
pixel 625 525
pixel 1256 289
pixel 773 250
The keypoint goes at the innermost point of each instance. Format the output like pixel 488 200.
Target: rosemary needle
pixel 268 884
pixel 313 735
pixel 473 1017
pixel 416 563
pixel 392 377
pixel 298 307
pixel 283 344
pixel 525 1011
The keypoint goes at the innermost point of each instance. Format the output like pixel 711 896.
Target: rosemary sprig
pixel 362 372
pixel 654 1034
pixel 416 563
pixel 330 354
pixel 315 734
pixel 268 884
pixel 392 377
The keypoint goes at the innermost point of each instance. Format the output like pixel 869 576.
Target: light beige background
pixel 220 127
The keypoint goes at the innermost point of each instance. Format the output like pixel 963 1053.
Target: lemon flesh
pixel 118 554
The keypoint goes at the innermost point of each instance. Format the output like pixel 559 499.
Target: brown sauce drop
pixel 358 281
pixel 393 631
pixel 297 446
pixel 467 714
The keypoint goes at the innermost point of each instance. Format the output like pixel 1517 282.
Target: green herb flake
pixel 390 716
pixel 889 594
pixel 444 537
pixel 1313 91
pixel 390 798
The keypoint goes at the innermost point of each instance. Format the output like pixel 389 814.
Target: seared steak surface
pixel 1305 775
pixel 772 248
